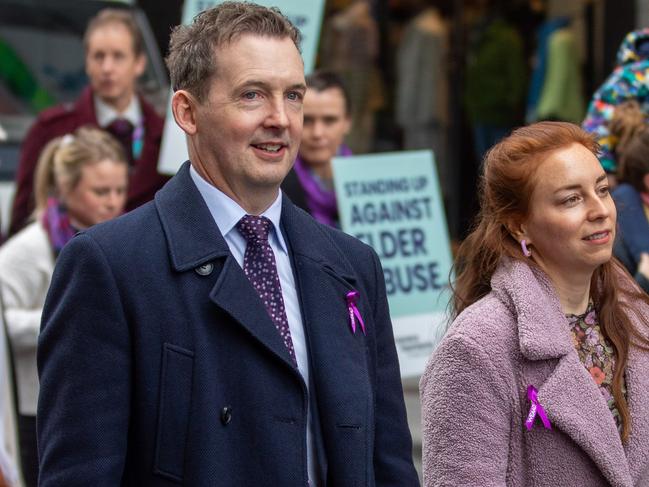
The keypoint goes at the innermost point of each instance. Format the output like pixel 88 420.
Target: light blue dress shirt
pixel 227 213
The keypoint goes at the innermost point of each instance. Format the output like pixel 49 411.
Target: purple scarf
pixel 321 201
pixel 57 225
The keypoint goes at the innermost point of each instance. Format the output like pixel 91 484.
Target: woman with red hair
pixel 543 377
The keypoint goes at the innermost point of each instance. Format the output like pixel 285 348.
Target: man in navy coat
pixel 163 362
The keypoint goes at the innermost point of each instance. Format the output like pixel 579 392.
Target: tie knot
pixel 254 228
pixel 120 127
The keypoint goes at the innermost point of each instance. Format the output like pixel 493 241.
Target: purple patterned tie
pixel 260 268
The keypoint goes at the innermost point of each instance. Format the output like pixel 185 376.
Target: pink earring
pixel 526 251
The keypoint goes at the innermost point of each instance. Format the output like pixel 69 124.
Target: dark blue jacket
pixel 155 374
pixel 633 231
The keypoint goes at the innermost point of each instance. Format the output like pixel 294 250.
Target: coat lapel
pixel 324 277
pixel 234 294
pixel 568 393
pixel 637 384
pixel 193 240
pixel 575 405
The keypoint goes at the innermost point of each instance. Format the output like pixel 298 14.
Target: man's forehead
pixel 223 45
pixel 247 60
pixel 109 27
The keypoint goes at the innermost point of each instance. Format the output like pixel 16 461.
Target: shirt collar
pixel 227 213
pixel 107 114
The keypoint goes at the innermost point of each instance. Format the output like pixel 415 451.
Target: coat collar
pixel 569 395
pixel 85 107
pixel 542 327
pixel 323 273
pixel 193 239
pixel 308 240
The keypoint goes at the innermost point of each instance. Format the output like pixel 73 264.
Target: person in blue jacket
pixel 220 336
pixel 631 196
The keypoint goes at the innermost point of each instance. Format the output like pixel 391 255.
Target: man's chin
pixel 111 97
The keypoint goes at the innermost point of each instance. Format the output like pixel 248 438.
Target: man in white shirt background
pixel 115 59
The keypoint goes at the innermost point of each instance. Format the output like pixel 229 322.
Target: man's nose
pixel 107 63
pixel 277 116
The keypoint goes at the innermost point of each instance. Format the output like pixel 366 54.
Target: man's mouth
pixel 269 147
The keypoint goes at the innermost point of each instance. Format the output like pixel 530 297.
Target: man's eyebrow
pixel 267 86
pixel 297 86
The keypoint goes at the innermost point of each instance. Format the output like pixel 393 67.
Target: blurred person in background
pixel 8 460
pixel 629 128
pixel 115 60
pixel 81 180
pixel 543 377
pixel 327 120
pixel 628 81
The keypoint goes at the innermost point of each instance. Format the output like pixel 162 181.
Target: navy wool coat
pixel 160 366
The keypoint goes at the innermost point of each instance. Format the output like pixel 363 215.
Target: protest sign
pixel 393 203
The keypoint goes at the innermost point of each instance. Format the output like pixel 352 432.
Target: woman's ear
pixel 517 230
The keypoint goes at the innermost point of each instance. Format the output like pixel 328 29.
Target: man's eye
pixel 294 96
pixel 250 95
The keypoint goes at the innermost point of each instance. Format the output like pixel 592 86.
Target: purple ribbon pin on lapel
pixel 352 298
pixel 536 408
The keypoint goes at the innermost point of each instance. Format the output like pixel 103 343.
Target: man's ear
pixel 140 65
pixel 184 107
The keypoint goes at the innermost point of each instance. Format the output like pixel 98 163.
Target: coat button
pixel 205 269
pixel 226 415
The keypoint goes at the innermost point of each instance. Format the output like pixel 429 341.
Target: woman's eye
pixel 604 190
pixel 571 200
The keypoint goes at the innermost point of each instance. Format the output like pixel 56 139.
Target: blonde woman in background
pixel 81 180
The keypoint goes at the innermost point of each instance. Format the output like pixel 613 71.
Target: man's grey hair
pixel 192 49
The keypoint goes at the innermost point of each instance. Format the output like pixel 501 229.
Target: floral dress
pixel 597 355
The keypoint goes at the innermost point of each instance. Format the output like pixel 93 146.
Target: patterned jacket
pixel 629 80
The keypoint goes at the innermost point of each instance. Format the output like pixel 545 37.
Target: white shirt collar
pixel 227 213
pixel 106 114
